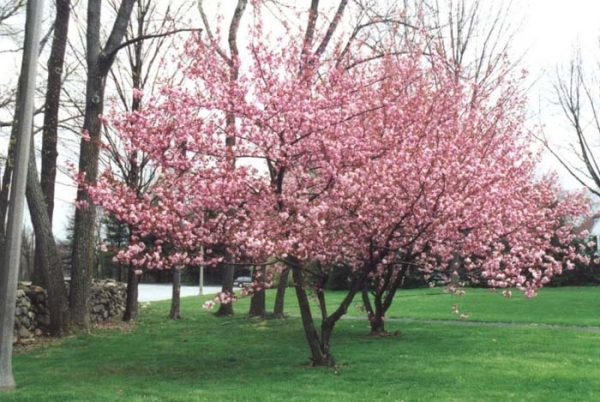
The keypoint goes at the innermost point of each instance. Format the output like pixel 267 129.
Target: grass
pixel 205 358
pixel 574 306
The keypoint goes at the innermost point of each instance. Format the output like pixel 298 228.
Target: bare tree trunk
pixel 320 350
pixel 382 299
pixel 99 62
pixel 280 296
pixel 7 176
pixel 131 303
pixel 257 303
pixel 176 299
pixel 60 323
pixel 50 131
pixel 226 309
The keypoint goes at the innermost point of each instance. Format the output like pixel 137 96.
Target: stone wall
pixel 32 317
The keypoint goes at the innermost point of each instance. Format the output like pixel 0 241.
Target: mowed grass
pixel 202 357
pixel 574 306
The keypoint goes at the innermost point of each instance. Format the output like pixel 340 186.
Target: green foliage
pixel 338 278
pixel 201 357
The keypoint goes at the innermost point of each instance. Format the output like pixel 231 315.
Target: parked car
pixel 241 281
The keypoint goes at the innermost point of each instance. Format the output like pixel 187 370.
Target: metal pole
pixel 9 268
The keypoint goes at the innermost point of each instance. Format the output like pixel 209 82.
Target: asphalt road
pixel 163 291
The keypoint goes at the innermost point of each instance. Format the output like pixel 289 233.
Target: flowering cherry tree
pixel 376 162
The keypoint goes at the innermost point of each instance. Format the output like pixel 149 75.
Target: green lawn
pixel 205 358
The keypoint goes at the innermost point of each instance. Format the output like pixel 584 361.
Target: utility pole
pixel 9 265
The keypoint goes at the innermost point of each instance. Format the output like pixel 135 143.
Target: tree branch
pixel 152 36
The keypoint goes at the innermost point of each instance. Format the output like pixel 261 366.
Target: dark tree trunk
pixel 375 315
pixel 320 349
pixel 131 303
pixel 320 346
pixel 50 130
pixel 60 322
pixel 280 296
pixel 6 178
pixel 38 275
pixel 257 304
pixel 226 309
pixel 85 216
pixel 176 299
pixel 98 66
pixel 382 299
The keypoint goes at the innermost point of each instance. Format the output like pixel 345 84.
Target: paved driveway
pixel 163 291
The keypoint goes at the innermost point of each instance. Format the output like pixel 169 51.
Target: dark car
pixel 241 281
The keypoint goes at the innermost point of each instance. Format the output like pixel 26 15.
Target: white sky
pixel 550 30
pixel 550 33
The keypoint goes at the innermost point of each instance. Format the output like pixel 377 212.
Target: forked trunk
pixel 382 300
pixel 377 325
pixel 320 349
pixel 99 60
pixel 374 314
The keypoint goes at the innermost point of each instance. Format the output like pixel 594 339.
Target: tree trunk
pixel 280 296
pixel 375 327
pixel 60 322
pixel 83 260
pixel 131 303
pixel 257 303
pixel 382 299
pixel 319 348
pixel 6 177
pixel 50 130
pixel 176 299
pixel 98 66
pixel 226 309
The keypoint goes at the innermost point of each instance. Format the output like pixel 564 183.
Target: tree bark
pixel 98 66
pixel 176 299
pixel 60 323
pixel 257 303
pixel 6 177
pixel 226 309
pixel 382 298
pixel 280 296
pixel 320 349
pixel 50 130
pixel 131 303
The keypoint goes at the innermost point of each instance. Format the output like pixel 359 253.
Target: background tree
pixel 99 61
pixel 576 90
pixel 27 255
pixel 51 115
pixel 135 71
pixel 233 61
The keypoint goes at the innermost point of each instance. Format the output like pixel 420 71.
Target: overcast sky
pixel 549 32
pixel 549 35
